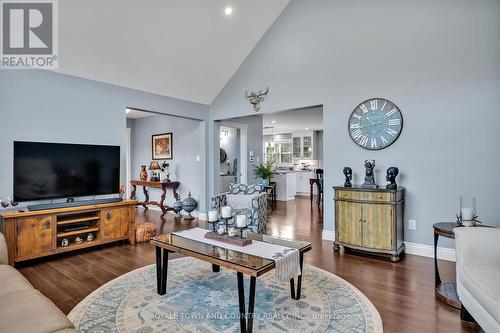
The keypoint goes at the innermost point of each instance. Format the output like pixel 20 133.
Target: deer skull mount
pixel 255 98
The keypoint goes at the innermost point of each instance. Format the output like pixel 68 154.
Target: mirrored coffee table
pixel 218 257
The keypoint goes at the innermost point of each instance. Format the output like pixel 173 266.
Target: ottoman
pixel 144 232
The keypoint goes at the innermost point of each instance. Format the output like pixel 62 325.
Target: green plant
pixel 263 171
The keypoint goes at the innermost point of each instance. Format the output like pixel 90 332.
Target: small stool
pixel 144 232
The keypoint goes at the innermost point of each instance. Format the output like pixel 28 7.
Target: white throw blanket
pixel 287 260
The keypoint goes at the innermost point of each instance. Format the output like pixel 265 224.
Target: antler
pixel 263 93
pixel 247 95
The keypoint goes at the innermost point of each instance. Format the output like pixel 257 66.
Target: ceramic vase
pixel 144 173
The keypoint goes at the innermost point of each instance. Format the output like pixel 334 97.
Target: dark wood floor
pixel 403 293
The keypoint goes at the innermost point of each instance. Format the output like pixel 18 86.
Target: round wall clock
pixel 375 124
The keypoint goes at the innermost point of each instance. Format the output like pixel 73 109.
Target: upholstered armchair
pixel 478 275
pixel 250 198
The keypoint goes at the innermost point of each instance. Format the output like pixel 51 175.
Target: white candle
pixel 467 214
pixel 213 216
pixel 241 221
pixel 226 212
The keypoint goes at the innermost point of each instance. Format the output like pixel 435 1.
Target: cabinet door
pixel 115 223
pixel 378 226
pixel 349 217
pixel 296 147
pixel 34 236
pixel 307 148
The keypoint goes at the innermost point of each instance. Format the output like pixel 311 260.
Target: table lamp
pixel 155 177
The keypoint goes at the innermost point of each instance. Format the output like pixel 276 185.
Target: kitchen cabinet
pixel 303 145
pixel 286 185
pixel 303 186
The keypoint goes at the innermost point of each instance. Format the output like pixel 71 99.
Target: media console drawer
pixel 34 234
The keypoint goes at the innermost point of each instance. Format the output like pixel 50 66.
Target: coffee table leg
pixel 161 270
pixel 246 320
pixel 215 268
pixel 241 299
pixel 251 304
pixel 299 281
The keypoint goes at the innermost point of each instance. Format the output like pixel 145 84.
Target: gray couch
pixel 478 275
pixel 23 308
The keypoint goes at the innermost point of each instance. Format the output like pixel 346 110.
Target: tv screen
pixel 59 170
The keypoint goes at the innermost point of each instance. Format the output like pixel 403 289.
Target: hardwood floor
pixel 403 293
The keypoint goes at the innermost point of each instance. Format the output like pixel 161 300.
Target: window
pixel 278 152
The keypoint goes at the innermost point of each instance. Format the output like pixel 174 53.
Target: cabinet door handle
pixel 46 224
pixel 108 216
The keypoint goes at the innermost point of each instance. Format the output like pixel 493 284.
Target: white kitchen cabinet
pixel 303 145
pixel 303 187
pixel 286 185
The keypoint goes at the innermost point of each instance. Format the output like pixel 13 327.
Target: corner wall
pixel 439 61
pixel 38 105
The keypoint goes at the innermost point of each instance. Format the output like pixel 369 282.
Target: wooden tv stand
pixel 35 234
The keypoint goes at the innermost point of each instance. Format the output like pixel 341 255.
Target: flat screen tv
pixel 58 170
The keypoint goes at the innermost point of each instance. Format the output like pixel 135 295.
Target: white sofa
pixel 23 308
pixel 478 275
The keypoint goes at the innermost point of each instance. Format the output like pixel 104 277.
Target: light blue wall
pixel 439 61
pixel 187 145
pixel 40 105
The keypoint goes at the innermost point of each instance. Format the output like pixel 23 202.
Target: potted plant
pixel 265 172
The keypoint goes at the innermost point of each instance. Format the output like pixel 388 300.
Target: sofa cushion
pixel 483 282
pixel 239 201
pixel 29 311
pixel 11 280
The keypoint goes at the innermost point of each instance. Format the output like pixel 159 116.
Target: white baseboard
pixel 417 249
pixel 424 250
pixel 328 235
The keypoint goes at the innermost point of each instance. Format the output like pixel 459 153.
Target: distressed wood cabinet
pixel 370 220
pixel 34 234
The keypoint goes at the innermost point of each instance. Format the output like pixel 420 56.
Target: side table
pixel 446 291
pixel 161 185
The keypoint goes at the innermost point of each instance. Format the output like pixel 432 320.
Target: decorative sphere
pixel 177 206
pixel 189 204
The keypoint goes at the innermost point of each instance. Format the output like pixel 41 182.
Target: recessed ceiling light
pixel 228 11
pixel 307 128
pixel 273 121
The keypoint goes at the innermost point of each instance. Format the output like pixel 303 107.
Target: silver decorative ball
pixel 177 208
pixel 188 205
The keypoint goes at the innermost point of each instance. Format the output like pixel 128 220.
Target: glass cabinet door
pixel 307 146
pixel 296 147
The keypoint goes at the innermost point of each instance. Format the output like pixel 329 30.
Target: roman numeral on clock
pixel 357 116
pixel 373 143
pixel 363 141
pixel 357 134
pixel 364 108
pixel 373 104
pixel 356 125
pixel 391 132
pixel 394 122
pixel 390 113
pixel 384 140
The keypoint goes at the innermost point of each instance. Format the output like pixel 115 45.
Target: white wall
pixel 37 105
pixel 187 145
pixel 439 61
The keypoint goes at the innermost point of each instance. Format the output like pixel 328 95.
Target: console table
pixel 161 185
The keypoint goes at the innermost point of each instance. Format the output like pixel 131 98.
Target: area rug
pixel 199 300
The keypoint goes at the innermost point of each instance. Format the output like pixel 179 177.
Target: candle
pixel 213 216
pixel 226 212
pixel 241 221
pixel 467 214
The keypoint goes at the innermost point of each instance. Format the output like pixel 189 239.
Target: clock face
pixel 375 124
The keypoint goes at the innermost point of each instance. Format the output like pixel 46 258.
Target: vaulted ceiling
pixel 186 49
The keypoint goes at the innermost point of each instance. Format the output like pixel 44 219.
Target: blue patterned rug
pixel 198 300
